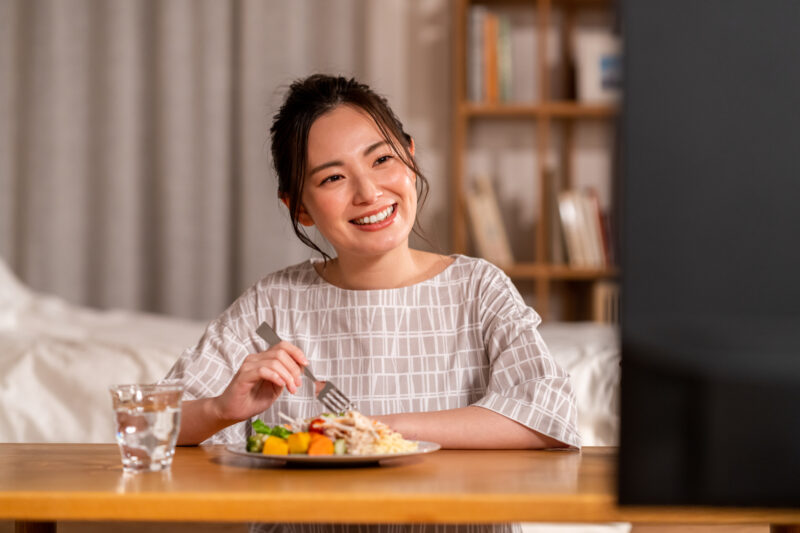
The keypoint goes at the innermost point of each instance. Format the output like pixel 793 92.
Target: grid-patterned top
pixel 464 337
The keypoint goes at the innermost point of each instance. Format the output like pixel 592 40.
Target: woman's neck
pixel 400 268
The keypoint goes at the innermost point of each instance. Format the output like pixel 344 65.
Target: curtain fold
pixel 134 136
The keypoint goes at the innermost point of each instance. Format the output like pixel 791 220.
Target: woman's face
pixel 358 192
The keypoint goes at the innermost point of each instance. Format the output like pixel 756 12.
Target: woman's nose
pixel 366 191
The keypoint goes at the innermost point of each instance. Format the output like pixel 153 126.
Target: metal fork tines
pixel 329 395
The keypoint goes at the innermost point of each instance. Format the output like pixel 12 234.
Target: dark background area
pixel 709 213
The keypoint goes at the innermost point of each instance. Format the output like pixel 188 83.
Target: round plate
pixel 422 448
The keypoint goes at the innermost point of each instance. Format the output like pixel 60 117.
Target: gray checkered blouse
pixel 464 337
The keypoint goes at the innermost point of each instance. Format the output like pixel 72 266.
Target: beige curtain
pixel 134 165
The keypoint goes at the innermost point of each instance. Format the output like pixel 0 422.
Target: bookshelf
pixel 571 288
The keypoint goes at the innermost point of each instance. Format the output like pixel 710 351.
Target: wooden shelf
pixel 559 109
pixel 565 109
pixel 551 116
pixel 538 271
pixel 599 4
pixel 470 109
pixel 585 4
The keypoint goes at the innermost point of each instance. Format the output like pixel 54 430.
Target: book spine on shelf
pixel 476 91
pixel 582 223
pixel 489 233
pixel 591 230
pixel 610 243
pixel 490 57
pixel 557 243
pixel 584 231
pixel 523 60
pixel 604 236
pixel 505 67
pixel 570 223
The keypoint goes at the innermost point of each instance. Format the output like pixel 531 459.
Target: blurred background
pixel 134 137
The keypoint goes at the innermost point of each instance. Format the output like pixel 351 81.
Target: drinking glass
pixel 148 418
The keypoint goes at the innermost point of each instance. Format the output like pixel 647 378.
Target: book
pixel 591 233
pixel 490 32
pixel 505 71
pixel 523 57
pixel 475 54
pixel 489 233
pixel 500 56
pixel 581 222
pixel 557 253
pixel 608 236
pixel 570 222
pixel 603 227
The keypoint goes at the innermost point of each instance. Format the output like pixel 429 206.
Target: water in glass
pixel 147 421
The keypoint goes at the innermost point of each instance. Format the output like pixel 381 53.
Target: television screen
pixel 709 209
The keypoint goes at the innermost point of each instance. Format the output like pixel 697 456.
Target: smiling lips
pixel 374 221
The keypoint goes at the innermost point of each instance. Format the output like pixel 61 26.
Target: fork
pixel 331 397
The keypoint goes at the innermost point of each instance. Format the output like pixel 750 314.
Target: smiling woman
pixel 360 195
pixel 303 121
pixel 439 348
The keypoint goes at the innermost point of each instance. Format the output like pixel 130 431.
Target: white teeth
pixel 375 218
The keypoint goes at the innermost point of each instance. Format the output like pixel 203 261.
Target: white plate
pixel 422 448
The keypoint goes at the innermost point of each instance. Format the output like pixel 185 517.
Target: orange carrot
pixel 320 445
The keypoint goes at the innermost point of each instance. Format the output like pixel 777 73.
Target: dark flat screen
pixel 709 210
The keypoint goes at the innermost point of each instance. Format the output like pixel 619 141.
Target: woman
pixel 440 348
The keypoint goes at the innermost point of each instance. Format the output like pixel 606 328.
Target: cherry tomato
pixel 315 426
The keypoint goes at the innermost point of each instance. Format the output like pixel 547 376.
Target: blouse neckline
pixel 319 280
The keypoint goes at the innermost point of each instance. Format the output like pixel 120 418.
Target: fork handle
pixel 266 332
pixel 308 373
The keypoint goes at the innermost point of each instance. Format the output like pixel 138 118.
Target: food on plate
pixel 320 445
pixel 349 433
pixel 299 442
pixel 275 446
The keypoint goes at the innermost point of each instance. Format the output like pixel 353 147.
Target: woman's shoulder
pixel 298 275
pixel 476 269
pixel 269 289
pixel 483 282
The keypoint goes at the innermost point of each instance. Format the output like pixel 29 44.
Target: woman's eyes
pixel 331 179
pixel 336 177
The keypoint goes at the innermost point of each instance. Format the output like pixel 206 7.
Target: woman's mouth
pixel 380 216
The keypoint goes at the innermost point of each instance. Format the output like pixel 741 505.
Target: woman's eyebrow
pixel 371 148
pixel 323 166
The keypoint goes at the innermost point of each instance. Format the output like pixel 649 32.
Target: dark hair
pixel 306 101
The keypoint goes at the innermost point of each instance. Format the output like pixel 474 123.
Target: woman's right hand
pixel 260 380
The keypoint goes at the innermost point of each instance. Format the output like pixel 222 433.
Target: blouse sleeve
pixel 206 369
pixel 526 384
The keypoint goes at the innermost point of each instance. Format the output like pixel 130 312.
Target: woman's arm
pixel 260 380
pixel 199 420
pixel 526 384
pixel 468 427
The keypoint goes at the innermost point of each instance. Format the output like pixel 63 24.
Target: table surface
pixel 85 482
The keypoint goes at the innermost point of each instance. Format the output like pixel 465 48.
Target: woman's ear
pixel 302 215
pixel 411 151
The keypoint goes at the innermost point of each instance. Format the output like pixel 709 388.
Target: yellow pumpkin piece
pixel 298 442
pixel 320 445
pixel 275 446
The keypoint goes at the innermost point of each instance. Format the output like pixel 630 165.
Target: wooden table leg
pixel 21 526
pixel 775 528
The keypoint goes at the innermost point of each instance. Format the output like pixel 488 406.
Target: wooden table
pixel 43 483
